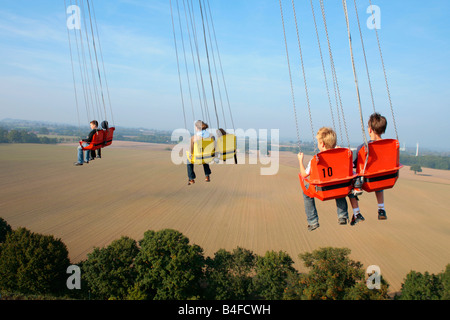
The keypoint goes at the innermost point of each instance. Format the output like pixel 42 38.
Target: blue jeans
pixel 311 211
pixel 191 173
pixel 86 152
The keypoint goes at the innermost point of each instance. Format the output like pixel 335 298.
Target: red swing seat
pixel 96 142
pixel 383 164
pixel 109 133
pixel 101 139
pixel 331 175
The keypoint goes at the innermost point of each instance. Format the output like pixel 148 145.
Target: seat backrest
pixel 97 140
pixel 331 175
pixel 109 133
pixel 384 155
pixel 204 149
pixel 226 146
pixel 331 165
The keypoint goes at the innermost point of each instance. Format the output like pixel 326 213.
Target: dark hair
pixel 94 122
pixel 377 123
pixel 221 131
pixel 199 124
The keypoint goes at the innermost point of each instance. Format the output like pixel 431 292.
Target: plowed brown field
pixel 135 187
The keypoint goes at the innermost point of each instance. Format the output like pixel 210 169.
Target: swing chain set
pixel 383 170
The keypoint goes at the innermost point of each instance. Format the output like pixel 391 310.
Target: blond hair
pixel 328 137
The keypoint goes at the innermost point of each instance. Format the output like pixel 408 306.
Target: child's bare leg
pixel 357 216
pixel 381 211
pixel 380 197
pixel 354 203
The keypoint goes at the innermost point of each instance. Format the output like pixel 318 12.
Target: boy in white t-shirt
pixel 326 140
pixel 201 132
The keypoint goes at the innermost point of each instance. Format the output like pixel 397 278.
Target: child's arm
pixel 302 167
pixel 192 144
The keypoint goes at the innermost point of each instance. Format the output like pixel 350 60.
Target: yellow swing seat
pixel 226 147
pixel 204 151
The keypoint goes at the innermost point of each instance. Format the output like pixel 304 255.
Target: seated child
pixel 326 140
pixel 93 154
pixel 200 133
pixel 86 142
pixel 376 126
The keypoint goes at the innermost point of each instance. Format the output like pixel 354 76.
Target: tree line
pixel 23 136
pixel 165 266
pixel 426 161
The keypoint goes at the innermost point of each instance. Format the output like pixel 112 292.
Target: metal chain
pixel 178 64
pixel 73 76
pixel 384 71
pixel 304 77
pixel 103 64
pixel 194 36
pixel 365 58
pixel 213 55
pixel 96 60
pixel 324 71
pixel 290 76
pixel 344 3
pixel 185 61
pixel 209 63
pixel 334 74
pixel 221 69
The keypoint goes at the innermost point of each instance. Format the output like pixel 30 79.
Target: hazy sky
pixel 141 66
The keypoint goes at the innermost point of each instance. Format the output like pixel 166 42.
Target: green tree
pixel 418 286
pixel 360 291
pixel 44 130
pixel 445 278
pixel 416 168
pixel 168 267
pixel 272 272
pixel 14 136
pixel 3 135
pixel 294 286
pixel 5 228
pixel 331 273
pixel 21 136
pixel 109 272
pixel 32 263
pixel 229 274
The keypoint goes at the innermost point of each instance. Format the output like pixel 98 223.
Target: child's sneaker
pixel 356 219
pixel 357 191
pixel 381 214
pixel 313 227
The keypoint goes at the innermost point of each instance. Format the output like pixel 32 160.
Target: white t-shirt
pixel 203 134
pixel 308 168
